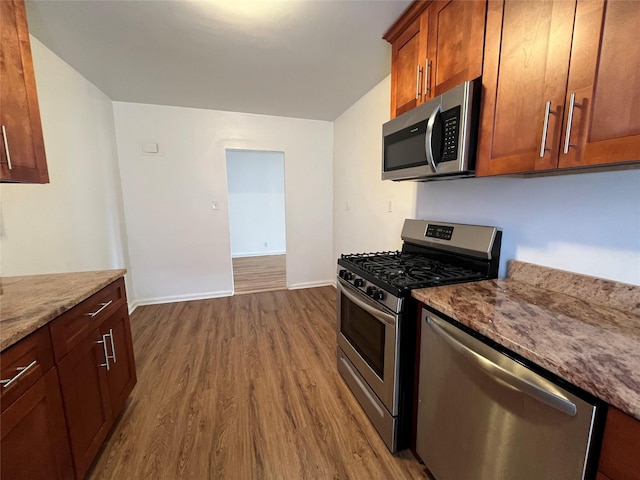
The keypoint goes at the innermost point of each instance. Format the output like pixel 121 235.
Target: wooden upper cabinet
pixel 408 55
pixel 455 44
pixel 22 155
pixel 435 46
pixel 406 71
pixel 561 86
pixel 526 58
pixel 604 86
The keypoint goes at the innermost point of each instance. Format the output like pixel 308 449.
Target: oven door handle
pixel 504 376
pixel 385 318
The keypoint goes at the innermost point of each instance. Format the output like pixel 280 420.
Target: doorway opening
pixel 255 182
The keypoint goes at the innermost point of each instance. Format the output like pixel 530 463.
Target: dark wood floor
pixel 244 387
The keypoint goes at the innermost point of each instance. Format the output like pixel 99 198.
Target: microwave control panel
pixel 451 133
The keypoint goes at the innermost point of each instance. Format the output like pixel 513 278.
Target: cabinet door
pixel 22 145
pixel 121 376
pixel 34 435
pixel 619 458
pixel 406 71
pixel 604 83
pixel 526 63
pixel 455 44
pixel 83 382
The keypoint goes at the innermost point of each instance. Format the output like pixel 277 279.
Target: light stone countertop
pixel 30 302
pixel 592 339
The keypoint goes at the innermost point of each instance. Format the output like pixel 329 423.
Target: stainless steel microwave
pixel 436 140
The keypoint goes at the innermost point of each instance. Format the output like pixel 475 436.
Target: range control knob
pixel 370 290
pixel 348 276
pixel 358 282
pixel 341 272
pixel 378 295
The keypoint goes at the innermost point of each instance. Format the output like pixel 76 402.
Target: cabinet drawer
pixel 70 328
pixel 23 364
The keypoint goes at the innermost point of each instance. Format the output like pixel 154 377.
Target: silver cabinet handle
pixel 543 144
pixel 385 318
pixel 567 137
pixel 418 73
pixel 102 307
pixel 104 348
pixel 21 371
pixel 427 80
pixel 6 146
pixel 522 385
pixel 113 348
pixel 428 142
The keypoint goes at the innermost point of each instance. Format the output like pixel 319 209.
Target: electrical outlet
pixel 390 207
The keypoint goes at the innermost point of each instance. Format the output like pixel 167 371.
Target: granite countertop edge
pixel 594 347
pixel 28 303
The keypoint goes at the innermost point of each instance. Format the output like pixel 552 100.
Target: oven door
pixel 369 336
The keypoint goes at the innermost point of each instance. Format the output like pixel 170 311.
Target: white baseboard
pixel 322 283
pixel 178 298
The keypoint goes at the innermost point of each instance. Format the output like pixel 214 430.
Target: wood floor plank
pixel 262 273
pixel 244 387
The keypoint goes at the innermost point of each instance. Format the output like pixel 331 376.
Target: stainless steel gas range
pixel 377 317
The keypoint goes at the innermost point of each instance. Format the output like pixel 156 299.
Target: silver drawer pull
pixel 567 139
pixel 6 146
pixel 113 348
pixel 21 371
pixel 102 307
pixel 104 348
pixel 545 128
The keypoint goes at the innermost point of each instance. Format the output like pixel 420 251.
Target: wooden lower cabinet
pixel 34 435
pixel 620 455
pixel 63 387
pixel 96 378
pixel 83 381
pixel 121 377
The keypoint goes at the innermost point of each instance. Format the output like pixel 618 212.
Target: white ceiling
pixel 296 58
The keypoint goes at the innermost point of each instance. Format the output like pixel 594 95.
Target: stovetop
pixel 400 272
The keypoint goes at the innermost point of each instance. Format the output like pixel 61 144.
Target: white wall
pixel 585 223
pixel 362 221
pixel 179 247
pixel 255 182
pixel 74 223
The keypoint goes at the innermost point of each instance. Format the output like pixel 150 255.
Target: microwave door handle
pixel 428 141
pixel 385 318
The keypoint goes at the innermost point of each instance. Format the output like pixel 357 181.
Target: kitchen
pixel 181 253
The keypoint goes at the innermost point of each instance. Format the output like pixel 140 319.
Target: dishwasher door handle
pixel 494 370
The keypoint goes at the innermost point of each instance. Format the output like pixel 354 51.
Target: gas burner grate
pixel 410 270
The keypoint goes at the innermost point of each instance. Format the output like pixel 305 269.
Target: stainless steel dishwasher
pixel 484 416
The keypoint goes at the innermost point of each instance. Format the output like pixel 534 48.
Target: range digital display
pixel 441 232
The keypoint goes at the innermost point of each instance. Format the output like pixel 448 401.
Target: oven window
pixel 365 333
